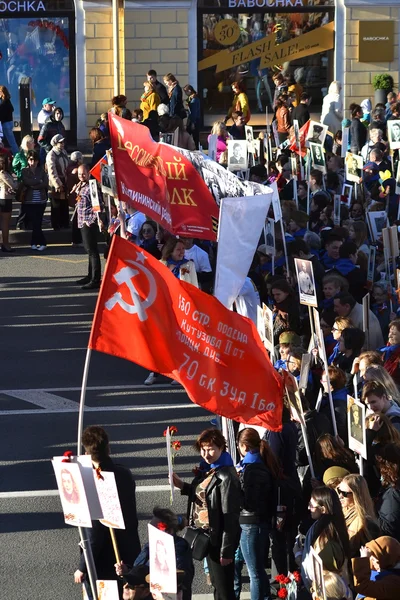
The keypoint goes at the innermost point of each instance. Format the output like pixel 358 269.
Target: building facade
pixel 81 53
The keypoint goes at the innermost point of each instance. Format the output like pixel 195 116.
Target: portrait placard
pixel 347 191
pixel 162 561
pixel 356 426
pixel 394 134
pixel 377 221
pixel 318 578
pixel 317 157
pixel 106 187
pixel 72 493
pixel 306 282
pixel 316 133
pixel 354 166
pixel 109 499
pixel 237 155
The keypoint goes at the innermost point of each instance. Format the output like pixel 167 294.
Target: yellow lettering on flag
pixel 270 53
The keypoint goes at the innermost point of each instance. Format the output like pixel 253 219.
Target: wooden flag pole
pixel 115 545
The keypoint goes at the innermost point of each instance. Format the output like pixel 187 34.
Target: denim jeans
pixel 9 135
pixel 254 544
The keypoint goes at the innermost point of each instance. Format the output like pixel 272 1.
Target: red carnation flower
pixel 297 576
pixel 176 445
pixel 68 454
pixel 165 433
pixel 282 593
pixel 162 526
pixel 280 578
pixel 173 429
pixel 286 580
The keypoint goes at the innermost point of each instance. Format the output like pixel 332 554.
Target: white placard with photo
pixel 276 203
pixel 106 186
pixel 347 191
pixel 356 426
pixel 107 589
pixel 316 133
pixel 72 493
pixel 336 209
pixel 94 195
pixel 249 138
pixel 318 577
pixel 268 327
pixel 306 282
pixel 269 236
pixel 354 166
pixel 319 337
pixel 377 221
pixel 162 561
pixel 237 155
pixel 393 128
pixel 317 157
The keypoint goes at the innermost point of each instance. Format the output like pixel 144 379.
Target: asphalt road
pixel 45 322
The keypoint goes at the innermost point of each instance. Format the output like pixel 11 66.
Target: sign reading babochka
pixel 271 53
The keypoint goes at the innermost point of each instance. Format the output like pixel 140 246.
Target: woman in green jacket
pixel 20 160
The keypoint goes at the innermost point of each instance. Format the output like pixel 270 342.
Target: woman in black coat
pixel 176 108
pixel 358 132
pixel 286 309
pixel 214 506
pixel 6 118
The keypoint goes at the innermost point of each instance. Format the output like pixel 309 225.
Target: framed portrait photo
pixel 356 426
pixel 347 191
pixel 237 155
pixel 106 187
pixel 316 133
pixel 354 166
pixel 377 221
pixel 306 282
pixel 393 128
pixel 317 157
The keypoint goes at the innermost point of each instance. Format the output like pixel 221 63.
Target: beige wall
pixel 99 64
pixel 358 76
pixel 154 39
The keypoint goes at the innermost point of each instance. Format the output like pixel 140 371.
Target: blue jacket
pixel 176 108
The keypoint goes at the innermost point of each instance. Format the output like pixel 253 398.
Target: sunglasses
pixel 343 493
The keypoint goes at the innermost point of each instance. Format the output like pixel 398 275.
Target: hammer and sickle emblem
pixel 126 276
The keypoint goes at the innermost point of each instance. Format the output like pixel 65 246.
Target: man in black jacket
pixel 160 88
pixel 95 441
pixel 301 112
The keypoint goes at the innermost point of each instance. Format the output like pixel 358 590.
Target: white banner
pixel 241 222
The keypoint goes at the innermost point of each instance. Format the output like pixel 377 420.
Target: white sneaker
pixel 34 247
pixel 152 378
pixel 41 248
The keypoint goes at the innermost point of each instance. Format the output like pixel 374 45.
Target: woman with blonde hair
pixel 149 100
pixel 20 160
pixel 335 588
pixel 340 324
pixel 332 108
pixel 358 233
pixel 359 513
pixel 219 129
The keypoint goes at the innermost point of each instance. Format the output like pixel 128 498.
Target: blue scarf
pixel 225 460
pixel 178 264
pixel 388 351
pixel 253 456
pixel 300 233
pixel 344 266
pixel 328 262
pixel 334 354
pixel 146 244
pixel 279 262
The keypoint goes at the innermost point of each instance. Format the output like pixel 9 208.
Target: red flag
pixel 303 131
pixel 159 181
pixel 146 315
pixel 96 170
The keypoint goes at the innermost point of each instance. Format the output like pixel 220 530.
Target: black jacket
pixel 301 114
pixel 127 539
pixel 259 497
pixel 358 134
pixel 99 150
pixel 176 108
pixel 316 425
pixel 389 512
pixel 49 130
pixel 223 498
pixel 162 92
pixel 6 111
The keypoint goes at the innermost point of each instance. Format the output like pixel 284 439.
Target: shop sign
pixel 266 3
pixel 375 41
pixel 26 6
pixel 271 53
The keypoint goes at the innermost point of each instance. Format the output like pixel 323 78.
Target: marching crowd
pixel 265 502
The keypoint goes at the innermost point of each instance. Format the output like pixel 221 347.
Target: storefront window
pixel 37 48
pixel 313 73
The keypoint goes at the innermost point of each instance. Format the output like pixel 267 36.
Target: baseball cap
pixel 48 101
pixel 56 139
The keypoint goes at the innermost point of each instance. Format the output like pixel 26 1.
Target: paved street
pixel 45 323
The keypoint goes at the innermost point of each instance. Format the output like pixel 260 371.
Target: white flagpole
pixel 82 401
pixel 84 543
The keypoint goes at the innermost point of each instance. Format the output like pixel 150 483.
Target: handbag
pixel 198 540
